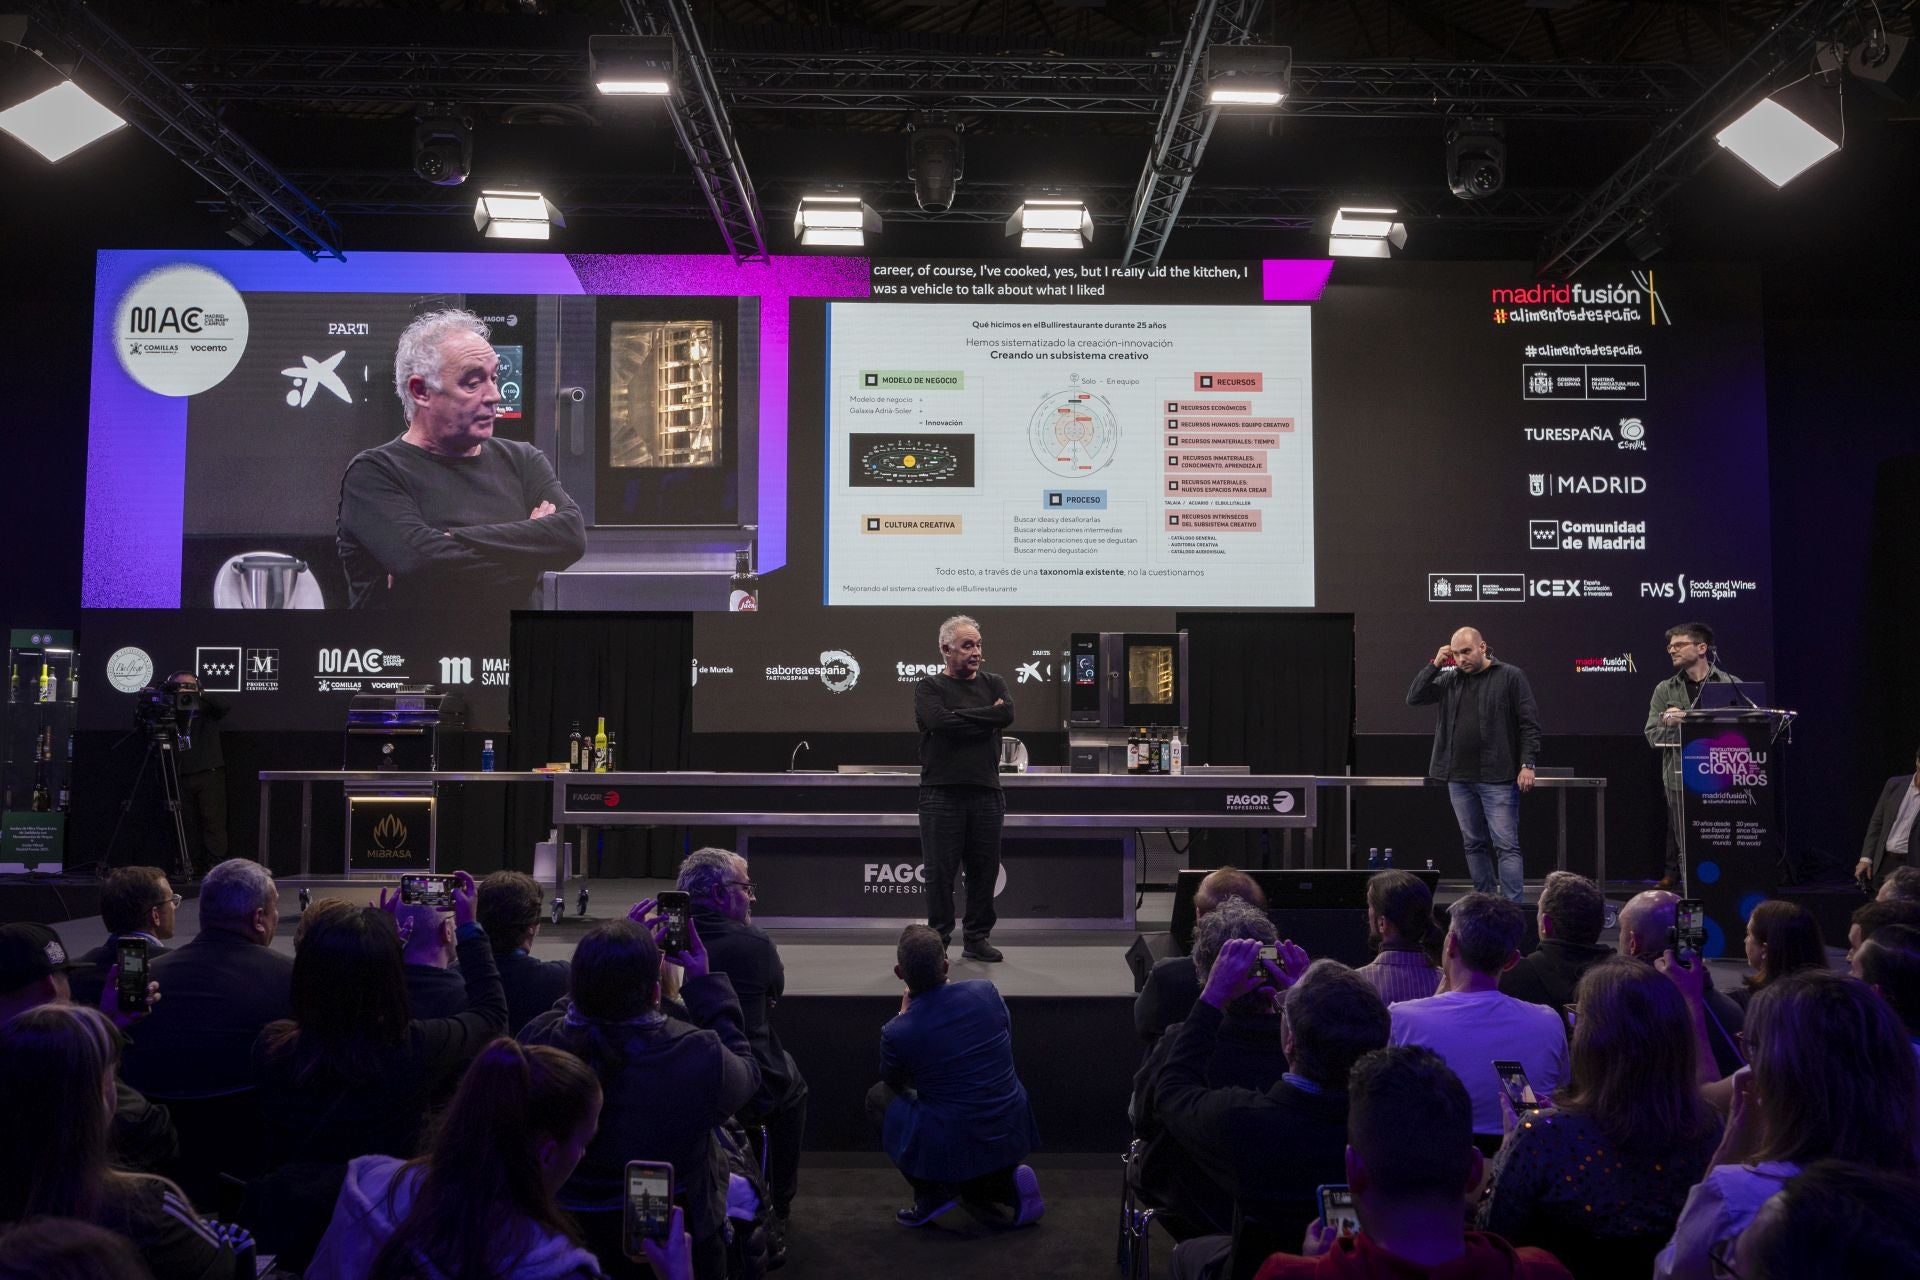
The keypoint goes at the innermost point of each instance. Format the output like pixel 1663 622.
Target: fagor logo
pixel 909 878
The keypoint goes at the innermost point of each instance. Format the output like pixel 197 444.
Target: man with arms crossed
pixel 1690 647
pixel 1890 831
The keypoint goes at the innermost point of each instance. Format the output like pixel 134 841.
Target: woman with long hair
pixel 57 1073
pixel 1598 1178
pixel 1782 938
pixel 1831 1075
pixel 479 1204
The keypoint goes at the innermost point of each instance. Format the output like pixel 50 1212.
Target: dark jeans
pixel 786 1130
pixel 203 810
pixel 1675 816
pixel 989 1191
pixel 960 830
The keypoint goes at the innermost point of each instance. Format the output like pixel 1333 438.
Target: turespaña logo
pixel 180 330
pixel 1633 434
pixel 1620 666
pixel 129 669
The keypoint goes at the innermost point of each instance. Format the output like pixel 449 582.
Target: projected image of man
pixel 1486 741
pixel 445 515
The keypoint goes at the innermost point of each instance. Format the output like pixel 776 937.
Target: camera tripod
pixel 163 745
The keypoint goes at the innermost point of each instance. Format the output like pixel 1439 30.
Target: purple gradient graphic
pixel 136 450
pixel 1294 279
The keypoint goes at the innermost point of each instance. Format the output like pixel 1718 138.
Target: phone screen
pixel 1689 925
pixel 1337 1208
pixel 426 891
pixel 649 1207
pixel 673 905
pixel 1513 1078
pixel 131 955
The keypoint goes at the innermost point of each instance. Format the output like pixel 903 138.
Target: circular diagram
pixel 908 461
pixel 1074 433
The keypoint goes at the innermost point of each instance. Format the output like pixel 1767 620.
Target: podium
pixel 1730 846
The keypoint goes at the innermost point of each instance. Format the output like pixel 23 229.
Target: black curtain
pixel 633 669
pixel 1273 691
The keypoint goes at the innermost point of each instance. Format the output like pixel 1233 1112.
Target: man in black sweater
pixel 1573 911
pixel 509 910
pixel 446 515
pixel 960 713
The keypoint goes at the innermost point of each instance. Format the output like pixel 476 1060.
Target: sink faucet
pixel 797 749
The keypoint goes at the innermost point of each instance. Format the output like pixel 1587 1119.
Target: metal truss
pixel 190 132
pixel 1682 146
pixel 903 82
pixel 701 122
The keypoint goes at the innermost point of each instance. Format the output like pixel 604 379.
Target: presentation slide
pixel 1070 455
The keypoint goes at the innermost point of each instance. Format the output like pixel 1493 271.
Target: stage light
pixel 442 145
pixel 935 161
pixel 834 221
pixel 1776 143
pixel 632 65
pixel 1052 224
pixel 1363 232
pixel 516 215
pixel 1476 158
pixel 1253 75
pixel 60 121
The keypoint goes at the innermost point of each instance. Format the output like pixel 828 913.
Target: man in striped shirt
pixel 1401 929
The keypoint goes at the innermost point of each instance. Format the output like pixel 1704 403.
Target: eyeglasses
pixel 743 884
pixel 1720 1255
pixel 171 900
pixel 1678 645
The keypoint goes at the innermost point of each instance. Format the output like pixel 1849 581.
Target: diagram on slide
pixel 1074 433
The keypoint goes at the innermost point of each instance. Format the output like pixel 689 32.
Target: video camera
pixel 167 708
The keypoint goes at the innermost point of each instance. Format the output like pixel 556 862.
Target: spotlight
pixel 60 121
pixel 1887 65
pixel 1363 232
pixel 838 221
pixel 1476 158
pixel 1777 142
pixel 1647 237
pixel 934 162
pixel 632 64
pixel 516 215
pixel 1248 74
pixel 1052 224
pixel 442 145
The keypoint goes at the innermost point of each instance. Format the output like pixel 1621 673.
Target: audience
pixel 1573 911
pixel 1646 931
pixel 1833 1076
pixel 952 1113
pixel 221 989
pixel 57 1066
pixel 1871 916
pixel 720 899
pixel 1171 986
pixel 1270 1148
pixel 1833 1221
pixel 479 1204
pixel 666 1082
pixel 1406 939
pixel 67 1249
pixel 1782 938
pixel 435 988
pixel 1889 962
pixel 1597 1177
pixel 1471 1024
pixel 1247 1053
pixel 509 910
pixel 1902 884
pixel 1410 1160
pixel 135 902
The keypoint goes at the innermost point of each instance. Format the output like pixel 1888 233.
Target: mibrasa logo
pixel 390 834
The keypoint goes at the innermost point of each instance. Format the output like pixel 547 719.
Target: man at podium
pixel 1690 647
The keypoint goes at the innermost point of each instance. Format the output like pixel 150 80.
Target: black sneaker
pixel 776 1242
pixel 921 1212
pixel 982 950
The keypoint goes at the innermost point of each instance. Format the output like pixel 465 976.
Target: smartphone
pixel 648 1213
pixel 1689 932
pixel 427 891
pixel 131 987
pixel 1270 953
pixel 1513 1078
pixel 673 906
pixel 1336 1206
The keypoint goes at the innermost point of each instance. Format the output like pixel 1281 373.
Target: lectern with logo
pixel 1730 761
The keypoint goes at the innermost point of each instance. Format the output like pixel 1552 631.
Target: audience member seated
pixel 1404 935
pixel 1833 1221
pixel 67 1249
pixel 1833 1076
pixel 1646 928
pixel 479 1204
pixel 666 1082
pixel 221 989
pixel 952 1114
pixel 135 902
pixel 1410 1161
pixel 1901 885
pixel 1471 1024
pixel 1247 1053
pixel 1572 913
pixel 35 971
pixel 1782 938
pixel 1870 917
pixel 1597 1177
pixel 1269 1148
pixel 1889 962
pixel 57 1074
pixel 1171 986
pixel 509 911
pixel 351 1073
pixel 435 989
pixel 720 898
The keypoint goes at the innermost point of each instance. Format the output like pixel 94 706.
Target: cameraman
pixel 203 774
